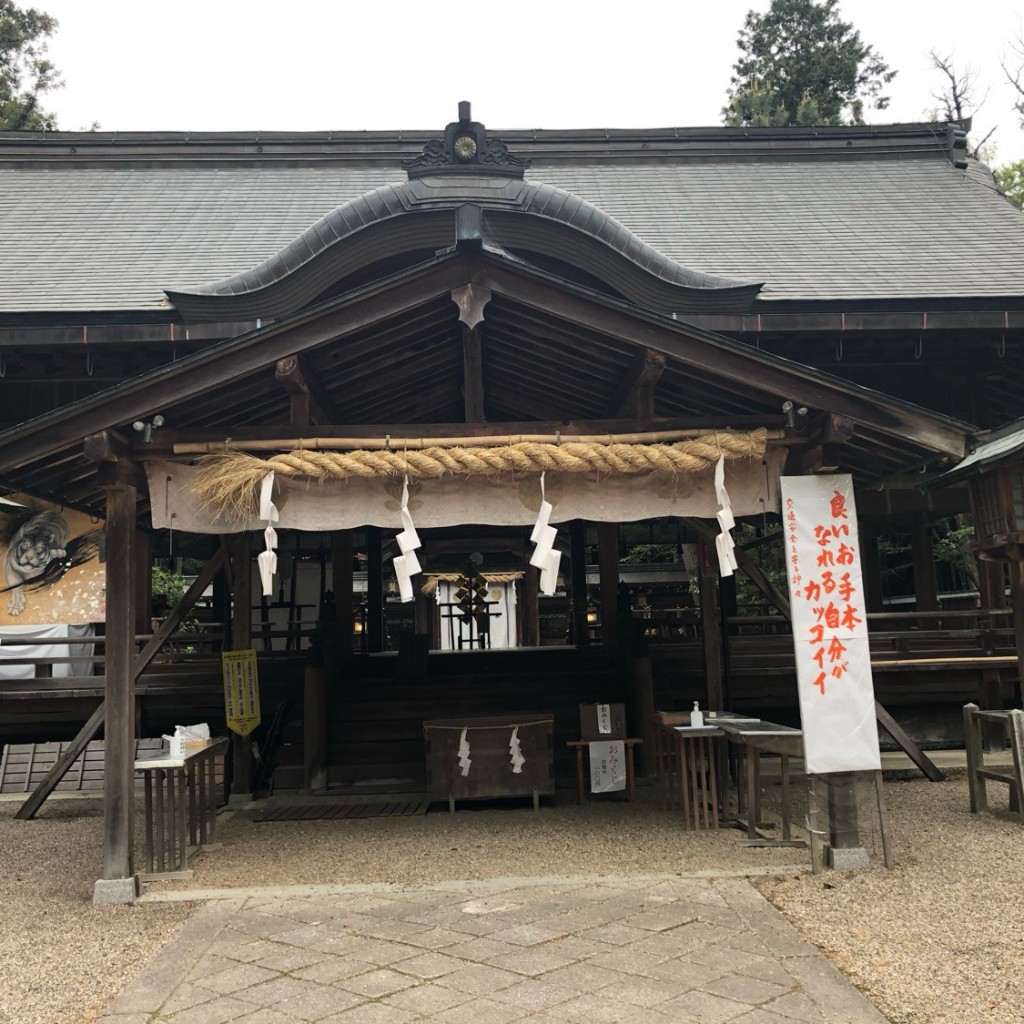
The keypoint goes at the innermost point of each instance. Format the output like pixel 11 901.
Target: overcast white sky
pixel 208 65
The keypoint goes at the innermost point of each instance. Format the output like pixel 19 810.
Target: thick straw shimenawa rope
pixel 228 481
pixel 453 577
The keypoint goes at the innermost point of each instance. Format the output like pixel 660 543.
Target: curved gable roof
pixel 420 216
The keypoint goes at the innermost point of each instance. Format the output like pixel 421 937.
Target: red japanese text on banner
pixel 830 631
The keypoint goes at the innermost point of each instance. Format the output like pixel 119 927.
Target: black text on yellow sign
pixel 241 691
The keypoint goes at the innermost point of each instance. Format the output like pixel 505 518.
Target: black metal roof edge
pixel 388 145
pixel 588 224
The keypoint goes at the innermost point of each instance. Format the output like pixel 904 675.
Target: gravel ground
pixel 61 959
pixel 939 939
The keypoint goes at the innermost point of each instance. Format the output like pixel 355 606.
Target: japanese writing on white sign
pixel 830 633
pixel 607 766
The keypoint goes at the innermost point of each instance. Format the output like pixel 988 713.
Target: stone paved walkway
pixel 644 949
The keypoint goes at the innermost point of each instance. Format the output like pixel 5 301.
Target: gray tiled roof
pixel 98 237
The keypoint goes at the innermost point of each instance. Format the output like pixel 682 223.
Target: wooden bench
pixel 977 773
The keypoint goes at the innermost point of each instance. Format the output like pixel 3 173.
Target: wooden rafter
pixel 635 394
pixel 310 402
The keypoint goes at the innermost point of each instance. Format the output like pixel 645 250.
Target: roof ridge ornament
pixel 466 149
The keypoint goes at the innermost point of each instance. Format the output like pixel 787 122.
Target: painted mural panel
pixel 51 566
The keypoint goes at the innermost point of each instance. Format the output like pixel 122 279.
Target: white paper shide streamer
pixel 407 564
pixel 464 761
pixel 724 544
pixel 516 751
pixel 267 560
pixel 544 556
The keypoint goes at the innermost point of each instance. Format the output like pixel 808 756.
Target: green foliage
pixel 1010 180
pixel 168 587
pixel 25 72
pixel 801 64
pixel 770 557
pixel 645 554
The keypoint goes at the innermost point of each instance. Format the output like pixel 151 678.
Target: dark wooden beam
pixel 578 578
pixel 106 446
pixel 472 374
pixel 179 611
pixel 310 401
pixel 374 590
pixel 608 563
pixel 732 361
pixel 215 367
pixel 119 734
pixel 634 395
pixel 240 546
pixel 49 781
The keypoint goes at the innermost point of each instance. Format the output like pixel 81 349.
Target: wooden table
pixel 755 737
pixel 686 762
pixel 181 808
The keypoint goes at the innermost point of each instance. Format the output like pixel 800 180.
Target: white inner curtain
pixel 39 651
pixel 457 635
pixel 504 500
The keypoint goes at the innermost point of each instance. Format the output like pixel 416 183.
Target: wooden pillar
pixel 578 569
pixel 608 558
pixel 143 583
pixel 531 607
pixel 341 585
pixel 711 630
pixel 241 640
pixel 926 589
pixel 992 583
pixel 118 884
pixel 314 728
pixel 871 565
pixel 374 591
pixel 1017 603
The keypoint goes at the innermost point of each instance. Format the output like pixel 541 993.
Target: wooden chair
pixel 977 774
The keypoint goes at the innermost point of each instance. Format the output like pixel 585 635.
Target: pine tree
pixel 25 72
pixel 801 64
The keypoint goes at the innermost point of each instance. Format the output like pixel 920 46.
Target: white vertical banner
pixel 830 631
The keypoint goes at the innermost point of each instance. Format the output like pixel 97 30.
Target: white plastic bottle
pixel 696 717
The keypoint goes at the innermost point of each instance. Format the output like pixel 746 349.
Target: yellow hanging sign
pixel 241 691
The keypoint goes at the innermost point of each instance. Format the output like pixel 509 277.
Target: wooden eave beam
pixel 294 375
pixel 730 361
pixel 222 365
pixel 635 394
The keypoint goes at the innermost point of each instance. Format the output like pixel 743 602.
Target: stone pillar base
pixel 116 890
pixel 850 858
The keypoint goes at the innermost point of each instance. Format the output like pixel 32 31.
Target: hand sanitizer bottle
pixel 696 717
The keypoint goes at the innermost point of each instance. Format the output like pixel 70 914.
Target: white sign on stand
pixel 607 766
pixel 830 632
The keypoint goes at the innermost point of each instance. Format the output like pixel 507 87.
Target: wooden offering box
pixel 491 769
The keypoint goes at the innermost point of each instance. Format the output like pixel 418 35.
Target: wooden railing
pixel 182 797
pixel 192 647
